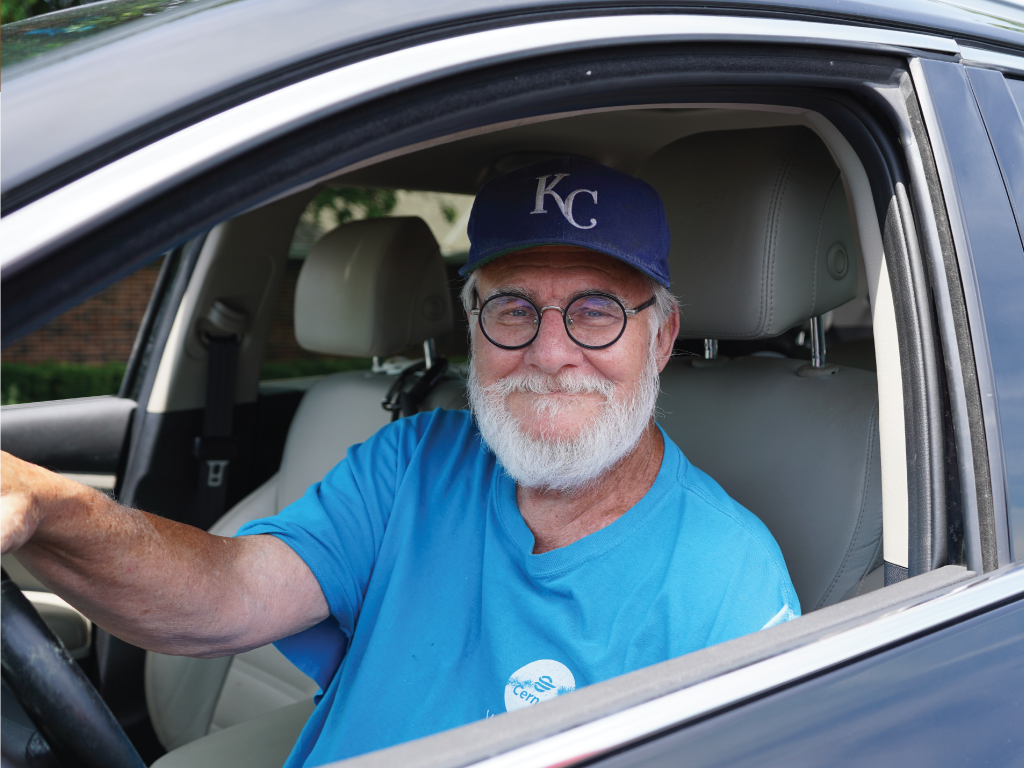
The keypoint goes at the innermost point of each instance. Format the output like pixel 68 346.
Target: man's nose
pixel 552 350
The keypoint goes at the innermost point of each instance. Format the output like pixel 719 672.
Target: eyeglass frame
pixel 627 313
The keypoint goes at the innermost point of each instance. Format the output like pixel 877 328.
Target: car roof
pixel 123 87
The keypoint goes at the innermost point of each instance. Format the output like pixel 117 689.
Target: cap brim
pixel 527 246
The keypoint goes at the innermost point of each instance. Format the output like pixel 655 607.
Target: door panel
pixel 949 698
pixel 82 438
pixel 83 435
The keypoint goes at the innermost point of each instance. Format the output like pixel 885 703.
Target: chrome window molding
pixel 1004 62
pixel 622 728
pixel 55 219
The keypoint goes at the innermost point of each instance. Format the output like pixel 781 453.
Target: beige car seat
pixel 762 241
pixel 367 288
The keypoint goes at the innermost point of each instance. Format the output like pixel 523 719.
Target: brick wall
pixel 99 330
pixel 102 329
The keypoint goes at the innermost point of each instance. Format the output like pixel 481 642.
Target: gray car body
pixel 186 67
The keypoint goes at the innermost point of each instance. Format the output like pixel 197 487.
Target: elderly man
pixel 456 566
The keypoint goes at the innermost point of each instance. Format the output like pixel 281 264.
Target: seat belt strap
pixel 216 448
pixel 421 389
pixel 407 403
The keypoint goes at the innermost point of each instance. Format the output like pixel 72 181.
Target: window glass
pixel 447 216
pixel 1006 130
pixel 83 351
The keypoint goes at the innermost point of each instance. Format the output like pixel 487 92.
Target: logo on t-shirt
pixel 536 682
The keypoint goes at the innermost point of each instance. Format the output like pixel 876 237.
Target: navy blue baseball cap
pixel 570 201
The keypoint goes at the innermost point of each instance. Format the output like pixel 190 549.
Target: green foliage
pixel 16 10
pixel 293 369
pixel 27 383
pixel 348 203
pixel 449 212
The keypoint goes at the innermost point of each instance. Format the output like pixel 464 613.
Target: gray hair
pixel 664 302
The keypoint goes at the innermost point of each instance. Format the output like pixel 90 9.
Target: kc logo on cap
pixel 565 206
pixel 601 209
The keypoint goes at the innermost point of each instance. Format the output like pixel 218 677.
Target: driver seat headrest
pixel 372 287
pixel 761 232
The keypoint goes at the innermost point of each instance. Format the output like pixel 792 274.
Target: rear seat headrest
pixel 372 287
pixel 761 232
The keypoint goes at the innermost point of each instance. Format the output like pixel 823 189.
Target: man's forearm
pixel 159 584
pixel 147 580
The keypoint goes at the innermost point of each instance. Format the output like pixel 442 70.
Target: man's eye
pixel 595 313
pixel 515 315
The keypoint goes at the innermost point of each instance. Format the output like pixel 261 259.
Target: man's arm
pixel 153 582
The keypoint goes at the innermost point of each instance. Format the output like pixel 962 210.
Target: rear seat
pixel 368 288
pixel 761 242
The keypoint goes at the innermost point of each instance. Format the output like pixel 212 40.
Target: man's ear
pixel 667 334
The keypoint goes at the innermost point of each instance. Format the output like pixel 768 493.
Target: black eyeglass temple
pixel 646 304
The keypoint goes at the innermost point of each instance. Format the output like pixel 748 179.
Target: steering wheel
pixel 56 694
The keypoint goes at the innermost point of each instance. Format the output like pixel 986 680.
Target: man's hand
pixel 20 510
pixel 156 583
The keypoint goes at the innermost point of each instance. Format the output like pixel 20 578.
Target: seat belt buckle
pixel 215 469
pixel 217 452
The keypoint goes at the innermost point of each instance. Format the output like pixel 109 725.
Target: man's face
pixel 554 276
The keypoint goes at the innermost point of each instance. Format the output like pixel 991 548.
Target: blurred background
pixel 84 351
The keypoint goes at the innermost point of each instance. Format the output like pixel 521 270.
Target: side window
pixel 83 351
pixel 447 216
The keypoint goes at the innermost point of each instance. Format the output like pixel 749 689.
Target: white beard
pixel 566 465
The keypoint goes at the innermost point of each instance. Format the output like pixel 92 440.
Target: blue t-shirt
pixel 441 614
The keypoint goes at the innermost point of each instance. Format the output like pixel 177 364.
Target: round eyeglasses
pixel 593 320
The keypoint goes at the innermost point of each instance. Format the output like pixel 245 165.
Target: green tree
pixel 16 10
pixel 348 203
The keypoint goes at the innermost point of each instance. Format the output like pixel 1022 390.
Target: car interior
pixel 785 387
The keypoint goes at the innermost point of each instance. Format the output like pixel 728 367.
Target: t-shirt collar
pixel 557 561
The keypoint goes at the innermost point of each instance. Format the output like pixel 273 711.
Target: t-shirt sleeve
pixel 758 583
pixel 337 528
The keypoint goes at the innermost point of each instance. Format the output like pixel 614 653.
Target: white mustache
pixel 566 383
pixel 566 464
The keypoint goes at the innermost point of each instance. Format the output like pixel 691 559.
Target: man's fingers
pixel 17 518
pixel 16 521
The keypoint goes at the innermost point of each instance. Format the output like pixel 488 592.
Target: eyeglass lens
pixel 591 321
